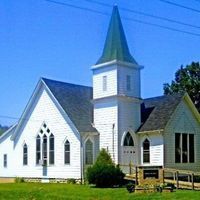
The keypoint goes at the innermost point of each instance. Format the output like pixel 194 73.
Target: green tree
pixel 187 79
pixel 104 158
pixel 104 173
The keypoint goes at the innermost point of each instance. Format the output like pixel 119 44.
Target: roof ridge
pixel 165 95
pixel 72 84
pixel 75 100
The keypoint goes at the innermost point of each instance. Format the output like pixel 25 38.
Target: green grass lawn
pixel 37 191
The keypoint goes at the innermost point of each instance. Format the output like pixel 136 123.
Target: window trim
pixel 46 132
pixel 38 138
pixel 51 136
pixel 191 149
pixel 178 149
pixel 25 155
pixel 67 143
pixel 5 160
pixel 146 151
pixel 128 134
pixel 92 151
pixel 185 149
pixel 105 83
pixel 181 145
pixel 45 150
pixel 128 82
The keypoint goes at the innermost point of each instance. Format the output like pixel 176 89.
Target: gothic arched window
pixel 128 140
pixel 146 151
pixel 89 152
pixel 51 149
pixel 44 150
pixel 38 149
pixel 67 152
pixel 25 154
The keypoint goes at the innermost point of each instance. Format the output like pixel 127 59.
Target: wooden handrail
pixel 186 172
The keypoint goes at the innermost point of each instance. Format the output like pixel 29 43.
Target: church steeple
pixel 116 91
pixel 116 47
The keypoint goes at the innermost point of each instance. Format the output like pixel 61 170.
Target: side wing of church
pixel 52 135
pixel 64 125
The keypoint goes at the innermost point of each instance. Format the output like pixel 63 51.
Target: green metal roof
pixel 116 47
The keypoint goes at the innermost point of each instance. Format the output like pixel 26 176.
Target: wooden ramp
pixel 184 184
pixel 177 176
pixel 131 177
pixel 183 179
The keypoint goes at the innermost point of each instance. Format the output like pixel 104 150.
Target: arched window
pixel 146 151
pixel 67 152
pixel 128 140
pixel 89 152
pixel 51 149
pixel 25 154
pixel 38 149
pixel 44 147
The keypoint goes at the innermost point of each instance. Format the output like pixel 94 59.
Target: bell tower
pixel 116 89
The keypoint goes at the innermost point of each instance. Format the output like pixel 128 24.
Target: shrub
pixel 130 187
pixel 158 188
pixel 19 180
pixel 104 158
pixel 104 173
pixel 71 181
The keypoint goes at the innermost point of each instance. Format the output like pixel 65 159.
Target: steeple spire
pixel 116 47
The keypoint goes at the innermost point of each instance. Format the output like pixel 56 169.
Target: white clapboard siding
pixel 6 147
pixel 183 121
pixel 156 149
pixel 134 74
pixel 128 120
pixel 43 109
pixel 129 115
pixel 105 115
pixel 98 74
pixel 116 108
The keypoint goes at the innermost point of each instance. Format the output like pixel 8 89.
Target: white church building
pixel 64 125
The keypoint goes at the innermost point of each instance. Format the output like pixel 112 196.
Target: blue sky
pixel 43 39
